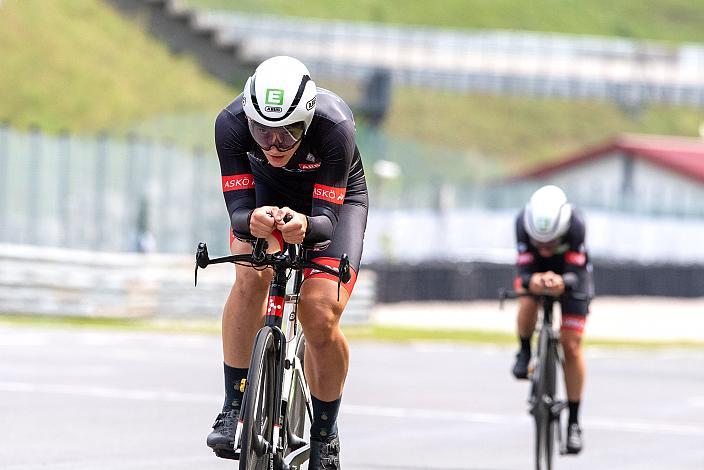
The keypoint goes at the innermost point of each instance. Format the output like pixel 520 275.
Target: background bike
pixel 270 431
pixel 546 400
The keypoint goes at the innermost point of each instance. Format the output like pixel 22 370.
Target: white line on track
pixel 107 392
pixel 595 422
pixel 626 425
pixel 132 463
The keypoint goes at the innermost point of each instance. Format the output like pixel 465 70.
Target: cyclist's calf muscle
pixel 327 355
pixel 527 316
pixel 240 320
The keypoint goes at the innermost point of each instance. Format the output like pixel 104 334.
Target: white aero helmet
pixel 280 93
pixel 547 215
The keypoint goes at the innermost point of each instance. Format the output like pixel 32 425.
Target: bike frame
pixel 551 340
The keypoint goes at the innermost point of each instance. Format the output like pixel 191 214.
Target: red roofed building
pixel 643 173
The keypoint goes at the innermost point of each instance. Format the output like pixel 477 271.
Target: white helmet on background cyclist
pixel 547 215
pixel 279 101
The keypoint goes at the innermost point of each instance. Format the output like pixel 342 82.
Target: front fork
pixel 272 319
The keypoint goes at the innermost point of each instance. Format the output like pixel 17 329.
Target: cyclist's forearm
pixel 524 275
pixel 582 286
pixel 576 262
pixel 320 229
pixel 239 218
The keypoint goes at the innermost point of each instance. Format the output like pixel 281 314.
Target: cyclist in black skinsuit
pixel 550 239
pixel 288 148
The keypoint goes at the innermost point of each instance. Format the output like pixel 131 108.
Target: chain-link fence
pixel 102 193
pixel 110 194
pixel 136 194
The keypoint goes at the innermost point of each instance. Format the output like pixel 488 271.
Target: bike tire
pixel 258 413
pixel 296 406
pixel 544 394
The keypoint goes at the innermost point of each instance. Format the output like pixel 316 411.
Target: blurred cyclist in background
pixel 550 241
pixel 287 150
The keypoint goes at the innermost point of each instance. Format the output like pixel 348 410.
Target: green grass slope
pixel 673 20
pixel 79 65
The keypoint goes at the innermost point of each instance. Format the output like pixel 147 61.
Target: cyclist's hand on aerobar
pixel 547 283
pixel 261 222
pixel 293 230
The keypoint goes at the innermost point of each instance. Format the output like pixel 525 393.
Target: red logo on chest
pixel 309 166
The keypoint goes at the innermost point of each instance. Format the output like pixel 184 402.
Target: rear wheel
pixel 258 412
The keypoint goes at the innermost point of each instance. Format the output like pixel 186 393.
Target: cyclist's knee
pixel 571 344
pixel 527 306
pixel 320 316
pixel 250 280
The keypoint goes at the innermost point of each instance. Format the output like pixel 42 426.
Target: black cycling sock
pixel 574 412
pixel 324 424
pixel 233 378
pixel 525 344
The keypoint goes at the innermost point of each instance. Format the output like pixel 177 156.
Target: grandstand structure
pixel 534 64
pixel 631 73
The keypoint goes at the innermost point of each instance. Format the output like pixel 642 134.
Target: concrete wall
pixel 406 282
pixel 480 235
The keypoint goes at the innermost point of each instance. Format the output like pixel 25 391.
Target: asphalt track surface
pixel 95 399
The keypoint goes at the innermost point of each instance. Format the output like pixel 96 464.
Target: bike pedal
pixel 557 408
pixel 227 454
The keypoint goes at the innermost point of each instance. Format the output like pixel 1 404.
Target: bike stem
pixel 548 303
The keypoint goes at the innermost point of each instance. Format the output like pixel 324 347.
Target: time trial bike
pixel 276 401
pixel 546 400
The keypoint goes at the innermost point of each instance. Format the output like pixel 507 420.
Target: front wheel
pixel 258 412
pixel 544 395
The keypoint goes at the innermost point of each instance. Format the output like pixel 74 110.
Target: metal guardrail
pixel 51 281
pixel 538 64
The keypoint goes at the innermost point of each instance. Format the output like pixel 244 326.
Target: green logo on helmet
pixel 543 224
pixel 274 96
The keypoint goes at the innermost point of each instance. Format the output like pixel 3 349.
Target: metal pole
pixel 165 239
pixel 143 236
pixel 34 185
pixel 63 187
pixel 101 170
pixel 130 199
pixel 196 196
pixel 4 179
pixel 147 195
